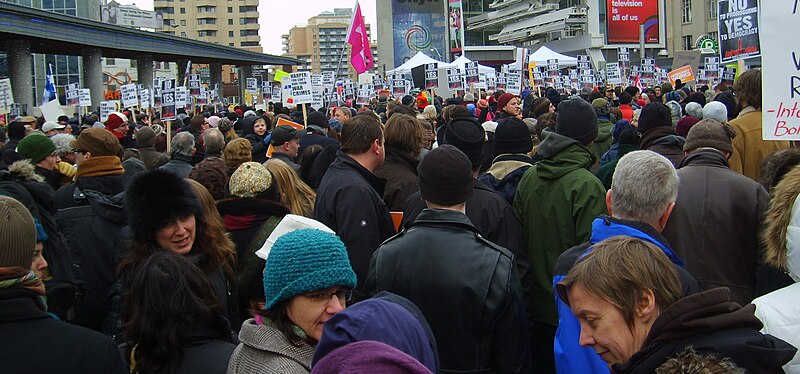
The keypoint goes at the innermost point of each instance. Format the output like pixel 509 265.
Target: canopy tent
pixel 543 54
pixel 461 60
pixel 418 59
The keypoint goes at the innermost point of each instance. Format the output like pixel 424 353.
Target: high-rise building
pixel 224 22
pixel 322 45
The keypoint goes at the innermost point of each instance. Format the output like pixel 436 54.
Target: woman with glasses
pixel 307 280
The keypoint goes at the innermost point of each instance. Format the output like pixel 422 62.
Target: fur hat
pixel 577 120
pixel 17 234
pixel 155 198
pixel 305 260
pixel 35 147
pixel 212 174
pixel 249 180
pixel 712 134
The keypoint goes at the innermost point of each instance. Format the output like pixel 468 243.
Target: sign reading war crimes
pixel 738 29
pixel 780 71
pixel 302 89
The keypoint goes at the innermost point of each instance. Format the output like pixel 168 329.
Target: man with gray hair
pixel 640 201
pixel 180 162
pixel 213 143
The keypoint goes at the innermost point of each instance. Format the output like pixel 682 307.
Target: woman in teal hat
pixel 307 280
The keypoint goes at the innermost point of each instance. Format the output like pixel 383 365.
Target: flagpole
pixel 344 46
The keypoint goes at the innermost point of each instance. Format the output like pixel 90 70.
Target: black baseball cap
pixel 283 134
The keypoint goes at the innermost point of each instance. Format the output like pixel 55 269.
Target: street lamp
pixel 433 49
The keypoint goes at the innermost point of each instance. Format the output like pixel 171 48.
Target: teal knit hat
pixel 35 147
pixel 305 260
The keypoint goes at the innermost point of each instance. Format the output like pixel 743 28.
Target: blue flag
pixel 49 93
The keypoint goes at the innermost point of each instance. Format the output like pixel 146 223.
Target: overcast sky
pixel 278 16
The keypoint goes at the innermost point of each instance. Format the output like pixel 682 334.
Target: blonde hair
pixel 235 153
pixel 294 193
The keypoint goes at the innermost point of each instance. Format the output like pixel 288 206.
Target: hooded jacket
pixel 711 323
pixel 664 141
pixel 602 143
pixel 715 224
pixel 780 310
pixel 400 171
pixel 556 200
pixel 570 356
pixel 386 318
pixel 505 173
pixel 259 152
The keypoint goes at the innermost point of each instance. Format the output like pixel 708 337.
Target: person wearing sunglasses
pixel 307 280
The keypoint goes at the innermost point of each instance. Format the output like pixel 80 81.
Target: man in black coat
pixel 465 285
pixel 350 196
pixel 90 216
pixel 33 341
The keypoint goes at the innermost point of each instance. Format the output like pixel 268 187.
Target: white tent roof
pixel 461 60
pixel 543 54
pixel 418 59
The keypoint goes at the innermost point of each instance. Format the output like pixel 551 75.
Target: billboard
pixel 738 30
pixel 419 25
pixel 625 16
pixel 132 17
pixel 456 26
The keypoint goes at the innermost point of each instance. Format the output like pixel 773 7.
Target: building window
pixel 230 21
pixel 165 10
pixel 688 43
pixel 248 8
pixel 183 22
pixel 248 20
pixel 207 8
pixel 686 10
pixel 230 9
pixel 183 35
pixel 248 32
pixel 183 10
pixel 250 44
pixel 230 34
pixel 203 33
pixel 207 21
pixel 230 44
pixel 111 61
pixel 711 5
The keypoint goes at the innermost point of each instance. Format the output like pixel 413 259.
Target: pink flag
pixel 360 53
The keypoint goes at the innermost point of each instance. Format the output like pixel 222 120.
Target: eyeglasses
pixel 81 151
pixel 323 297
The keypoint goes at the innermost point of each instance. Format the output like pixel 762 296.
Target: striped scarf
pixel 16 279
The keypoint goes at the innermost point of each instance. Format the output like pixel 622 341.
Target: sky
pixel 276 17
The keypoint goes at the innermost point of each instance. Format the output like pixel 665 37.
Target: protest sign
pixel 472 72
pixel 71 92
pixel 738 29
pixel 85 97
pixel 106 108
pixel 302 89
pixel 780 73
pixel 502 80
pixel 144 98
pixel 194 85
pixel 168 99
pixel 431 76
pixel 286 91
pixel 251 86
pixel 181 97
pixel 51 110
pixel 728 75
pixel 613 74
pixel 266 91
pixel 364 93
pixel 711 67
pixel 552 68
pixel 328 79
pixel 286 122
pixel 454 79
pixel 129 96
pixel 514 83
pixel 684 73
pixel 276 93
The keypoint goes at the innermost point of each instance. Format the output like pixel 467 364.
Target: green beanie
pixel 35 147
pixel 305 260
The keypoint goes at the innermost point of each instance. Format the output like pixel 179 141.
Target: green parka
pixel 556 201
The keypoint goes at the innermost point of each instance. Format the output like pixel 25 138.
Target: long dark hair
pixel 168 296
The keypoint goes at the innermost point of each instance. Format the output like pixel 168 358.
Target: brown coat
pixel 748 147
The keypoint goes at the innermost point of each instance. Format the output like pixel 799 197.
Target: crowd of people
pixel 604 230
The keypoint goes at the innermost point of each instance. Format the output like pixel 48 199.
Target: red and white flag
pixel 360 53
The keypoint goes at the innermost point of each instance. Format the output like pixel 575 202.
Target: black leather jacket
pixel 465 286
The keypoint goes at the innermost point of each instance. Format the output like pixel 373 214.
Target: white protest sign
pixel 144 98
pixel 128 94
pixel 514 83
pixel 302 89
pixel 252 86
pixel 328 79
pixel 613 74
pixel 780 73
pixel 286 91
pixel 106 107
pixel 51 110
pixel 181 96
pixel 71 92
pixel 6 95
pixel 85 97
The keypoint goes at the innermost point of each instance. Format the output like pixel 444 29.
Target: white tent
pixel 543 54
pixel 461 60
pixel 418 59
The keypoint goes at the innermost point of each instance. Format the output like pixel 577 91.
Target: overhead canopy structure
pixel 418 59
pixel 55 33
pixel 461 60
pixel 543 54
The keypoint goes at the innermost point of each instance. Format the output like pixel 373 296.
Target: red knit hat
pixel 503 100
pixel 115 119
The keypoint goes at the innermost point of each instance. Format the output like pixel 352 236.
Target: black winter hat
pixel 577 119
pixel 16 130
pixel 512 136
pixel 445 176
pixel 155 198
pixel 654 115
pixel 317 118
pixel 468 136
